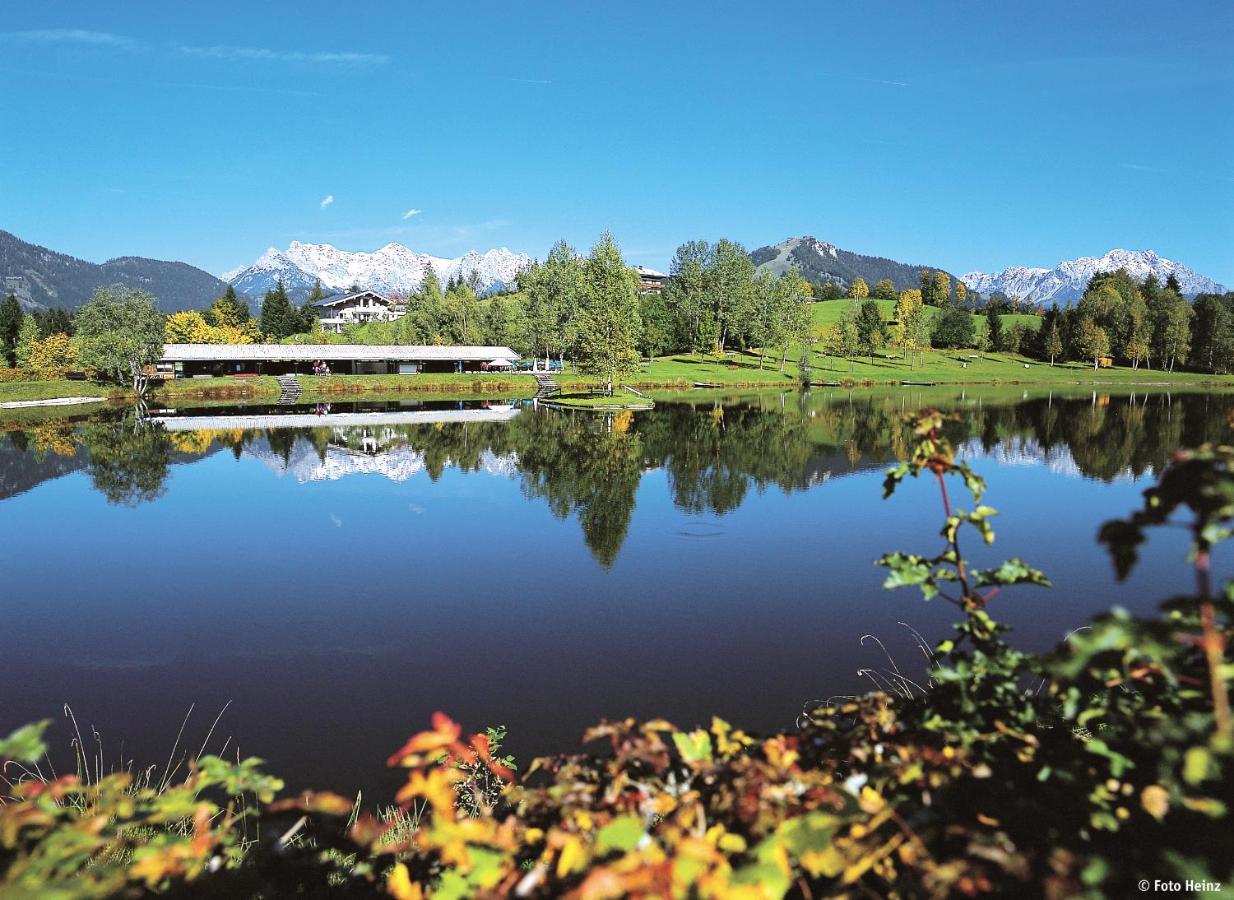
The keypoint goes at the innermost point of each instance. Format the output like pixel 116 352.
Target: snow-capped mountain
pixel 271 267
pixel 392 270
pixel 397 463
pixel 1065 283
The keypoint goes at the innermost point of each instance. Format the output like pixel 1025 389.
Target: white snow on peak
pixel 392 269
pixel 1067 280
pixel 397 463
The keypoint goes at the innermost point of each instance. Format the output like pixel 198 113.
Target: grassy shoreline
pixel 679 372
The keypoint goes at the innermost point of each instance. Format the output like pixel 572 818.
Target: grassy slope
pixel 684 369
pixel 50 390
pixel 827 312
pixel 670 372
pixel 1009 368
pixel 935 365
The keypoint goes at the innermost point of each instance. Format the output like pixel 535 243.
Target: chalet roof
pixel 309 352
pixel 649 273
pixel 343 298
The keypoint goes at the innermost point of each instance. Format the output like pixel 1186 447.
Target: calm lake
pixel 336 576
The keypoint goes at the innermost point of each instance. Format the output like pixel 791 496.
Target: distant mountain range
pixel 42 278
pixel 1066 282
pixel 392 270
pixel 822 262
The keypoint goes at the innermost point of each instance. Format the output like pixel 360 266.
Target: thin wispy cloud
pixel 72 36
pixel 190 85
pixel 530 80
pixel 327 200
pixel 274 55
pixel 1157 170
pixel 86 37
pixel 411 212
pixel 867 80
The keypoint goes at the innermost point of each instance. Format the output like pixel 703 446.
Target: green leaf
pixel 1011 571
pixel 693 747
pixel 26 744
pixel 1118 762
pixel 1197 765
pixel 908 569
pixel 622 835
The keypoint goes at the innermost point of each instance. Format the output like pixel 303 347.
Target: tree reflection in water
pixel 129 459
pixel 713 452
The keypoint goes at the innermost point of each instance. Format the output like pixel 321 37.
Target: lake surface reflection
pixel 339 574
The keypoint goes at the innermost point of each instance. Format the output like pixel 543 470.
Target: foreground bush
pixel 1080 772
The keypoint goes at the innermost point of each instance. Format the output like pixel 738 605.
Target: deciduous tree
pixel 1052 345
pixel 797 312
pixel 608 322
pixel 53 354
pixel 27 337
pixel 732 289
pixel 119 331
pixel 942 288
pixel 1170 321
pixel 1212 333
pixel 953 328
pixel 686 293
pixel 847 339
pixel 554 292
pixel 884 289
pixel 765 319
pixel 858 289
pixel 1091 340
pixel 186 327
pixel 871 333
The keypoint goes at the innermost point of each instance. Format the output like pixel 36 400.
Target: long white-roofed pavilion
pixel 202 360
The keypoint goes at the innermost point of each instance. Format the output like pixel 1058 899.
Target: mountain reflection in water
pixel 543 569
pixel 580 463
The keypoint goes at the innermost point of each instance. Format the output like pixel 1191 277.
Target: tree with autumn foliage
pixel 858 290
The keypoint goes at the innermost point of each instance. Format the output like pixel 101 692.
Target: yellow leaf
pixel 1156 801
pixel 437 787
pixel 571 857
pixel 871 801
pixel 732 843
pixel 826 862
pixel 399 884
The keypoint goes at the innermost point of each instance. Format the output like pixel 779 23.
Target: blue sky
pixel 966 135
